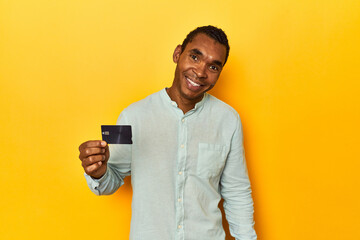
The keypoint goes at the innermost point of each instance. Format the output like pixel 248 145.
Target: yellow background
pixel 293 74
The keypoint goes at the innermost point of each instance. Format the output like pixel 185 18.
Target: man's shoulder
pixel 222 108
pixel 144 104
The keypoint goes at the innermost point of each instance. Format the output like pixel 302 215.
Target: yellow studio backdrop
pixel 293 74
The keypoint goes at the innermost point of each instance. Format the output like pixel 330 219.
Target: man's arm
pixel 106 166
pixel 118 167
pixel 236 191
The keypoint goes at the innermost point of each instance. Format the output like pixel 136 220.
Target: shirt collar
pixel 168 100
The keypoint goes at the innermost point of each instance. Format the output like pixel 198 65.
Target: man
pixel 187 153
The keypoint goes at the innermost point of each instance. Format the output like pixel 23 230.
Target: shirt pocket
pixel 211 160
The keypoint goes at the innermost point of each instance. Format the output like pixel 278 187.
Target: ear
pixel 177 53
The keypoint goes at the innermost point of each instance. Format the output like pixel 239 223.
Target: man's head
pixel 199 62
pixel 213 32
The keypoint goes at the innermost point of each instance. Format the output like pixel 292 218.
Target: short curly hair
pixel 213 32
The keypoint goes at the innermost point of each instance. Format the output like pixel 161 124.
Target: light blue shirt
pixel 181 165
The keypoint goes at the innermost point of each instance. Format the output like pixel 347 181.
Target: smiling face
pixel 198 68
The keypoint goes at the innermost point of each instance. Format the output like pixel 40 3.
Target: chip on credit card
pixel 116 134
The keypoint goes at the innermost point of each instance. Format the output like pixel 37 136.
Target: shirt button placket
pixel 181 180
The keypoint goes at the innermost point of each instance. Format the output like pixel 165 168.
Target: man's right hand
pixel 94 156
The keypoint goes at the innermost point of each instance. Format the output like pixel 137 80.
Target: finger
pixel 92 159
pixel 93 168
pixel 84 152
pixel 107 152
pixel 92 143
pixel 93 151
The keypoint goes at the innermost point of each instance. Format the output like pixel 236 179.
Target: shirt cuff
pixel 94 183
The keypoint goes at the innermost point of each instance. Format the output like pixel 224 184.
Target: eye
pixel 194 57
pixel 214 68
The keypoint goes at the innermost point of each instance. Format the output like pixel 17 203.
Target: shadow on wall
pixel 230 84
pixel 224 222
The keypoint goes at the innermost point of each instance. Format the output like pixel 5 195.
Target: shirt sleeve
pixel 118 167
pixel 236 190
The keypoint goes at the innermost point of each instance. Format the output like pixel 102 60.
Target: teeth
pixel 192 83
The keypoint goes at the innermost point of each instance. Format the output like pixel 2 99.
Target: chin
pixel 192 95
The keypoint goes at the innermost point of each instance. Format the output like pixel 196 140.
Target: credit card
pixel 116 134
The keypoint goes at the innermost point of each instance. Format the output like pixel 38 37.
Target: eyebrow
pixel 198 52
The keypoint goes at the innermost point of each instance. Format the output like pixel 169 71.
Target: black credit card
pixel 116 134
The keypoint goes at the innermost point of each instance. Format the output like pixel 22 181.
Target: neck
pixel 184 104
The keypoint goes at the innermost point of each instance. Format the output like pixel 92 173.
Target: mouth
pixel 192 83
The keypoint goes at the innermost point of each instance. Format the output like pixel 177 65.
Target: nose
pixel 200 70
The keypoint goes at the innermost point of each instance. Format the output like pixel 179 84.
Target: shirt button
pixel 173 103
pixel 183 120
pixel 182 145
pixel 179 199
pixel 179 226
pixel 180 172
